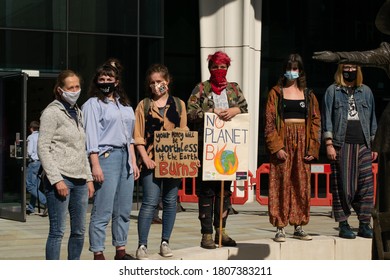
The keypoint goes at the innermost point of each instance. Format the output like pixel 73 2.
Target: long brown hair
pixel 294 58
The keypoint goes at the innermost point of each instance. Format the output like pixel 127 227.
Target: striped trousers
pixel 352 182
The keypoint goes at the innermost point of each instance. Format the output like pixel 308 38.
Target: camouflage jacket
pixel 201 101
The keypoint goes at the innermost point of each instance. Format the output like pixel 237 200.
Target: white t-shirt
pixel 221 101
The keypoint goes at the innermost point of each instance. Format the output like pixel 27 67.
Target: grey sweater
pixel 61 144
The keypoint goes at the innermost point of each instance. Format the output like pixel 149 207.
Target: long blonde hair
pixel 339 79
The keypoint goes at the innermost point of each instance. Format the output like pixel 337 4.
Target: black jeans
pixel 209 203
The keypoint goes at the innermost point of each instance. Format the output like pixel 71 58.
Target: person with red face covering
pixel 226 100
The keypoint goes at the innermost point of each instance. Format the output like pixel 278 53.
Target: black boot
pixel 365 230
pixel 346 231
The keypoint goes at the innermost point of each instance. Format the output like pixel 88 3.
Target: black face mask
pixel 349 76
pixel 106 88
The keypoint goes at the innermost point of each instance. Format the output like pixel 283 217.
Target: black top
pixel 294 109
pixel 354 133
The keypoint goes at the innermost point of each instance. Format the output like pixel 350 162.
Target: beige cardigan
pixel 61 144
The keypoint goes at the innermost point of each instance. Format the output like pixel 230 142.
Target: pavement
pixel 26 241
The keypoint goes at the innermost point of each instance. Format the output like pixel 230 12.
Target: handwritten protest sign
pixel 176 153
pixel 225 153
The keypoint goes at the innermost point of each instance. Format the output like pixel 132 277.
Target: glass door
pixel 13 93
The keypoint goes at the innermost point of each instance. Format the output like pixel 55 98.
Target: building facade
pixel 39 38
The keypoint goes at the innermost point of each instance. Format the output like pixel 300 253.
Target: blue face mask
pixel 291 75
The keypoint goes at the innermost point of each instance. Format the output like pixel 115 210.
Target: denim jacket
pixel 335 113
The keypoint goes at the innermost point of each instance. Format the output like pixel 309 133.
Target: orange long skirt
pixel 289 181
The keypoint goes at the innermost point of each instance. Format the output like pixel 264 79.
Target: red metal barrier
pixel 190 196
pixel 375 171
pixel 184 197
pixel 318 171
pixel 263 169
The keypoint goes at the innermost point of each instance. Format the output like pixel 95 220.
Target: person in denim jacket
pixel 349 127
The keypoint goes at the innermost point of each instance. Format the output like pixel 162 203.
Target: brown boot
pixel 226 240
pixel 207 241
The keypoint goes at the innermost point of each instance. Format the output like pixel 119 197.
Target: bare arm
pixel 97 172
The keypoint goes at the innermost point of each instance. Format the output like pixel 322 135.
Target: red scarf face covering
pixel 218 80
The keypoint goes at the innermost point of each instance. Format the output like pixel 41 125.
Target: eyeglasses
pixel 350 68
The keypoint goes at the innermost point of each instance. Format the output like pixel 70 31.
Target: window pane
pixel 87 52
pixel 103 16
pixel 151 17
pixel 32 50
pixel 150 53
pixel 33 14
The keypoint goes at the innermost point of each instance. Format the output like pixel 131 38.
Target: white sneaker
pixel 142 253
pixel 299 233
pixel 165 251
pixel 280 235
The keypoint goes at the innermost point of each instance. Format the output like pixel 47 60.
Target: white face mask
pixel 70 96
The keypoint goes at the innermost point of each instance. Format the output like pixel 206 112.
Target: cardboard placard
pixel 226 151
pixel 176 154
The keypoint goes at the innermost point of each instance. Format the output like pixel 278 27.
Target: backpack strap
pixel 201 86
pixel 234 88
pixel 178 104
pixel 146 106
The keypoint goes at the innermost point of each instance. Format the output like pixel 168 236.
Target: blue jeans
pixel 32 185
pixel 113 199
pixel 77 203
pixel 150 199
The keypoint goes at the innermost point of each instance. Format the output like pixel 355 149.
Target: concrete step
pixel 320 248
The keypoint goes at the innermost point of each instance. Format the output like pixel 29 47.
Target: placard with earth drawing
pixel 226 146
